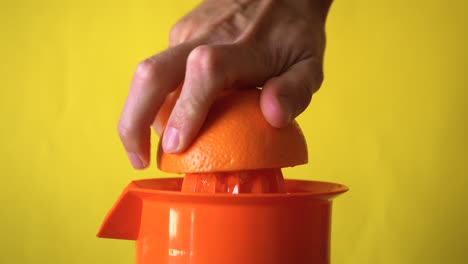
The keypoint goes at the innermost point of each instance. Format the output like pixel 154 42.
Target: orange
pixel 235 137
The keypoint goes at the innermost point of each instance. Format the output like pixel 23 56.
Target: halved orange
pixel 236 149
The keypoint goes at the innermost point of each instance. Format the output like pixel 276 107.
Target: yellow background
pixel 390 122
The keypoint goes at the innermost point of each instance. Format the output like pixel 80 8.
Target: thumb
pixel 286 96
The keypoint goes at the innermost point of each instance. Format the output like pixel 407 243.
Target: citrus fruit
pixel 236 146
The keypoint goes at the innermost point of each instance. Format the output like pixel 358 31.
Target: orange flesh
pixel 254 181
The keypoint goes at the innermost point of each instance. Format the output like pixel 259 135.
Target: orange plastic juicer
pixel 233 205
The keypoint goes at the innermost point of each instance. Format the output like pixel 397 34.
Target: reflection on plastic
pixel 173 223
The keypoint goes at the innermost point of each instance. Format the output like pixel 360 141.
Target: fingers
pixel 153 79
pixel 210 69
pixel 165 110
pixel 286 96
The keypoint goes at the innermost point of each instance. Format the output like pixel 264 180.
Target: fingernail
pixel 137 163
pixel 171 140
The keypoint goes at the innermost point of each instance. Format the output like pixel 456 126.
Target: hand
pixel 226 44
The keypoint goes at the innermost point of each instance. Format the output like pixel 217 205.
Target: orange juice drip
pixel 254 181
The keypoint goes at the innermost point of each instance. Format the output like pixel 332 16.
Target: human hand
pixel 226 44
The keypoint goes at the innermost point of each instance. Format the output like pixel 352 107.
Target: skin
pixel 225 44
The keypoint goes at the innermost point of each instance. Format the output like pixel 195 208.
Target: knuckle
pixel 182 114
pixel 307 86
pixel 205 59
pixel 306 94
pixel 147 69
pixel 313 76
pixel 187 111
pixel 306 90
pixel 304 100
pixel 189 107
pixel 317 73
pixel 318 79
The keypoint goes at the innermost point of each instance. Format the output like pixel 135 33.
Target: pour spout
pixel 123 220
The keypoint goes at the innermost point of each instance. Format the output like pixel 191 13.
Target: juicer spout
pixel 123 220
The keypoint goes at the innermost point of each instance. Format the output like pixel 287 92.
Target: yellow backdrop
pixel 390 122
